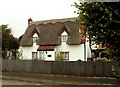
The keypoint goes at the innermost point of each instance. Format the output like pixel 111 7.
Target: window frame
pixel 35 39
pixel 65 55
pixel 64 38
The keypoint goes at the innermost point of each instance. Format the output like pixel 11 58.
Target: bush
pixel 59 57
pixel 116 71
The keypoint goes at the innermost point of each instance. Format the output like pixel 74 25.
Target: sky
pixel 15 13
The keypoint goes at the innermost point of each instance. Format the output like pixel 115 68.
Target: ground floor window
pixel 34 55
pixel 41 55
pixel 65 55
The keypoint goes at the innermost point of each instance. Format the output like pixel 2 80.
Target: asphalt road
pixel 14 82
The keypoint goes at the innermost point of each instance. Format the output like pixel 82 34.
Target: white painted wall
pixel 64 33
pixel 35 35
pixel 46 53
pixel 76 52
pixel 27 51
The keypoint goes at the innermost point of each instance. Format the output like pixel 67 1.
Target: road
pixel 14 82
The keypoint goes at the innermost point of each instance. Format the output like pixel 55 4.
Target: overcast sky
pixel 16 12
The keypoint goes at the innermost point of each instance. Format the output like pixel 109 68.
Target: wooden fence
pixel 79 68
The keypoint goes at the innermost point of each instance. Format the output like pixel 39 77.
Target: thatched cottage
pixel 57 39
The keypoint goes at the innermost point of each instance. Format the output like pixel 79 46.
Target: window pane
pixel 64 38
pixel 34 55
pixel 66 55
pixel 35 39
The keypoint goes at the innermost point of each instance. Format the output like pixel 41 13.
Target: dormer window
pixel 35 38
pixel 64 36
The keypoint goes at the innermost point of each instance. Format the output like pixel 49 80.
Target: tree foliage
pixel 102 21
pixel 10 44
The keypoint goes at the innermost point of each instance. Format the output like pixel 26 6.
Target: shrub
pixel 59 57
pixel 116 71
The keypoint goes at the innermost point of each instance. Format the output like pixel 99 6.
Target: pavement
pixel 59 79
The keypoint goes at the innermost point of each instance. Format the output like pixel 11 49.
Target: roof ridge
pixel 53 21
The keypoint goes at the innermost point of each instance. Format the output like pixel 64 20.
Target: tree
pixel 102 21
pixel 10 44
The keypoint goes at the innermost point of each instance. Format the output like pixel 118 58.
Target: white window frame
pixel 64 38
pixel 35 39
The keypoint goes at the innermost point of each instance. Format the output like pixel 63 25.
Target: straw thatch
pixel 49 32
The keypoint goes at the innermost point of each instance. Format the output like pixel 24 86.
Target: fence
pixel 79 68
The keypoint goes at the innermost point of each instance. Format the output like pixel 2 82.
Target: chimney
pixel 83 32
pixel 29 21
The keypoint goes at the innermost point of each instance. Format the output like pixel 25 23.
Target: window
pixel 41 55
pixel 34 55
pixel 35 39
pixel 64 38
pixel 65 55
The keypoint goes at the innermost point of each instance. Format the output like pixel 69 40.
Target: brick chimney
pixel 29 21
pixel 83 32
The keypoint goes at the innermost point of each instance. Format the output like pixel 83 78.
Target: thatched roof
pixel 49 32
